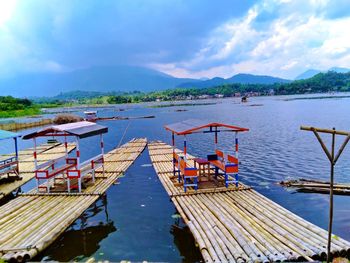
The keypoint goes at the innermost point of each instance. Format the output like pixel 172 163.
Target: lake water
pixel 137 221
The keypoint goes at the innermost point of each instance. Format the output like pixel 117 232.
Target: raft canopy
pixel 8 135
pixel 82 129
pixel 195 126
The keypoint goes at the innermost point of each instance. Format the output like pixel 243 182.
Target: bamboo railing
pixel 32 221
pixel 46 152
pixel 241 225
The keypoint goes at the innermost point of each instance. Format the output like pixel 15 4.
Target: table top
pixel 201 161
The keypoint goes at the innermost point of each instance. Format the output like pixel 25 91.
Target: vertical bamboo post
pixel 332 159
pixel 330 223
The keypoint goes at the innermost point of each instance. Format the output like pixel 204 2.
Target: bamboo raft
pixel 315 186
pixel 46 152
pixel 241 225
pixel 32 221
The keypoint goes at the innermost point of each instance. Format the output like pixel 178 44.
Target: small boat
pixel 90 115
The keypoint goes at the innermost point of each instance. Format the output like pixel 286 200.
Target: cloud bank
pixel 193 38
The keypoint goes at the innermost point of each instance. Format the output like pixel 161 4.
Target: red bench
pixel 51 172
pixel 229 167
pixel 8 166
pixel 95 163
pixel 189 175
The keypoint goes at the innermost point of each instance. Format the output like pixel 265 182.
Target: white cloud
pixel 297 37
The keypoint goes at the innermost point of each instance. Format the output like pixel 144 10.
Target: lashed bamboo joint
pixel 32 221
pixel 241 225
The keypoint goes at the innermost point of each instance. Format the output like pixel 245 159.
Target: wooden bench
pixel 89 166
pixel 9 166
pixel 51 171
pixel 189 175
pixel 228 166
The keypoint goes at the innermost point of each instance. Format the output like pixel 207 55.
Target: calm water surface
pixel 136 220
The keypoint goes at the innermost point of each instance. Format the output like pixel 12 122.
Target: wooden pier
pixel 46 152
pixel 237 224
pixel 32 221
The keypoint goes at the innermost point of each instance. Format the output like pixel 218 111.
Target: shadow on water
pixel 184 241
pixel 138 224
pixel 82 238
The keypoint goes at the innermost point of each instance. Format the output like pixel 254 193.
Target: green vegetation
pixel 320 83
pixel 181 105
pixel 14 107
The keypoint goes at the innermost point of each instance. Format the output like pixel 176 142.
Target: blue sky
pixel 185 38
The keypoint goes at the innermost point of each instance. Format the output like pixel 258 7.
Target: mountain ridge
pixel 102 78
pixel 242 78
pixel 312 72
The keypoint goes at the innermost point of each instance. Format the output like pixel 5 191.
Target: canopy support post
pixel 236 144
pixel 102 145
pixel 173 146
pixel 35 154
pixel 78 152
pixel 216 137
pixel 66 145
pixel 16 152
pixel 185 148
pixel 16 147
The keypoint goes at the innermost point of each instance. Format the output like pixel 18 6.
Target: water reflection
pixel 82 239
pixel 184 241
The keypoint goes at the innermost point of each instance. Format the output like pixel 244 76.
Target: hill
pixel 239 78
pixel 312 72
pixel 102 79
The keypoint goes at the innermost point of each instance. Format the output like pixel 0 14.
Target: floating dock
pixel 237 224
pixel 46 152
pixel 32 221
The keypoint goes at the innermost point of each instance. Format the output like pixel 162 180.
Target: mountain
pixel 308 74
pixel 239 78
pixel 339 70
pixel 101 79
pixel 312 72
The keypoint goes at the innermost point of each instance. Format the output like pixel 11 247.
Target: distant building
pixel 205 96
pixel 219 95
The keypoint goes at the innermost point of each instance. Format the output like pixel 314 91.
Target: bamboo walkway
pixel 241 225
pixel 46 152
pixel 32 221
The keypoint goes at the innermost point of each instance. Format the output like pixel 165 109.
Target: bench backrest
pixel 175 157
pixel 220 154
pixel 187 171
pixel 95 158
pixel 183 164
pixel 232 159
